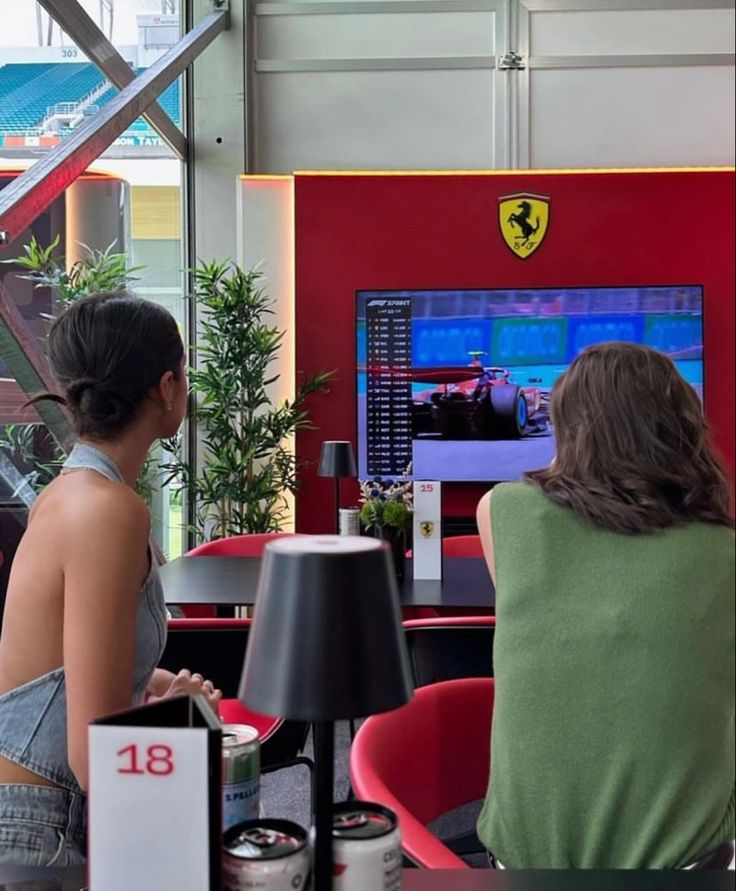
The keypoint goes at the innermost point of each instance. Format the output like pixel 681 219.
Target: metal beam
pixel 90 39
pixel 25 359
pixel 32 192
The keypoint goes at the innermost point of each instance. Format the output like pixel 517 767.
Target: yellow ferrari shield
pixel 524 219
pixel 427 528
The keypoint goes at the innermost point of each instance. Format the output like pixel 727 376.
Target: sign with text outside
pixel 155 799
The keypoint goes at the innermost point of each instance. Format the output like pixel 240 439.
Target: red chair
pixel 462 546
pixel 459 546
pixel 427 758
pixel 249 545
pixel 216 649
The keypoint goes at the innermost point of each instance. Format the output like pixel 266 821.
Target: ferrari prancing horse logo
pixel 426 528
pixel 523 219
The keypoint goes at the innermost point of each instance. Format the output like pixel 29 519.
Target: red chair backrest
pixel 451 622
pixel 250 545
pixel 426 758
pixel 459 546
pixel 462 546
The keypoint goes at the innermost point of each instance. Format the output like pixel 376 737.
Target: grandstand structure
pixel 43 102
pixel 48 91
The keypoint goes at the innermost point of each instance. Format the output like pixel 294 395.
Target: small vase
pixel 398 543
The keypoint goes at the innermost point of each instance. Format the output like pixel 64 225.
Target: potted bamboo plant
pixel 247 464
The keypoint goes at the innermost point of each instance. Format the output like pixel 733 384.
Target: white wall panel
pixel 412 84
pixel 614 83
pixel 632 117
pixel 632 31
pixel 375 120
pixel 379 85
pixel 380 35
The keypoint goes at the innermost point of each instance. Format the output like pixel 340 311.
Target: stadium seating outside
pixel 28 93
pixel 29 89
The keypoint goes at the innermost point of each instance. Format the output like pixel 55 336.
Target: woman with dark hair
pixel 613 726
pixel 85 620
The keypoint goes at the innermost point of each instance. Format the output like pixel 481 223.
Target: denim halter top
pixel 33 716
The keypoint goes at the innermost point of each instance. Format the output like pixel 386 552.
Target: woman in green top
pixel 613 725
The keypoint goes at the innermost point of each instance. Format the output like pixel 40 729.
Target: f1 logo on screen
pixel 523 219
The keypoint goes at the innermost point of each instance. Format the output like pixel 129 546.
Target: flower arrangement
pixel 386 504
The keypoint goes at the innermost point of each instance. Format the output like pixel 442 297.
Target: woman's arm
pixel 105 561
pixel 483 517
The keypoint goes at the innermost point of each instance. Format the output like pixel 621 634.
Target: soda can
pixel 267 855
pixel 241 774
pixel 366 848
pixel 349 521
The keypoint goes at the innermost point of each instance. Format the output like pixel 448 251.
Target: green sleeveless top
pixel 613 726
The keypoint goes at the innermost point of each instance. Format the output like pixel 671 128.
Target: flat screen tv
pixel 454 385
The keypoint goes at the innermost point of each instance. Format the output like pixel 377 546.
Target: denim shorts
pixel 41 826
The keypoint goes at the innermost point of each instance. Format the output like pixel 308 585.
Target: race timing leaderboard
pixel 388 386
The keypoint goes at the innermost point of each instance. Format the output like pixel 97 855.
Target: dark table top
pixel 233 581
pixel 13 879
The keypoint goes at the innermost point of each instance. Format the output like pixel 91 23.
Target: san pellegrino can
pixel 241 774
pixel 265 855
pixel 366 848
pixel 349 521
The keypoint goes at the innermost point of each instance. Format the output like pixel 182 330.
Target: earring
pixel 168 406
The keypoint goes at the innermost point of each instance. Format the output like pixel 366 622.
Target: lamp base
pixel 337 505
pixel 324 769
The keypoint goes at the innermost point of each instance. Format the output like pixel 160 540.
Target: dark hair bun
pixel 97 404
pixel 108 351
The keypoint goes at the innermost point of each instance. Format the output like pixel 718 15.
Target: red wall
pixel 407 231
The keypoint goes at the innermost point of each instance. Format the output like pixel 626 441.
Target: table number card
pixel 427 539
pixel 155 810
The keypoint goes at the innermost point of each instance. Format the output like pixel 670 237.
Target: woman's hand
pixel 187 684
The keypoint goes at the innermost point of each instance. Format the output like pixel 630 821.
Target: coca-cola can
pixel 366 848
pixel 265 855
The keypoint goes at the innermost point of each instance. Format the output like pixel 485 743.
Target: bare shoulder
pixel 485 530
pixel 92 509
pixel 483 511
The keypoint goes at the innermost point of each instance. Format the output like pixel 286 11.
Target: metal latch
pixel 511 62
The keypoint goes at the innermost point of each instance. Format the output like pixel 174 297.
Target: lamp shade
pixel 337 459
pixel 326 641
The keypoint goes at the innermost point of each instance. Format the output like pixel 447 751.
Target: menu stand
pixel 155 798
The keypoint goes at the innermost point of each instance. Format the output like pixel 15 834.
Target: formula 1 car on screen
pixel 476 402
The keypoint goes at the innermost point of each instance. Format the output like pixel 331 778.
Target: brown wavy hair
pixel 633 448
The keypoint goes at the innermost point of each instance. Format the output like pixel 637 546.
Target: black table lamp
pixel 326 644
pixel 337 459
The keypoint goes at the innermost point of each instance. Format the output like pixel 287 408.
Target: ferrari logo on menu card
pixel 427 529
pixel 523 219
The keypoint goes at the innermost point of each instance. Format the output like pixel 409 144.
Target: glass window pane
pixel 49 88
pixel 130 203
